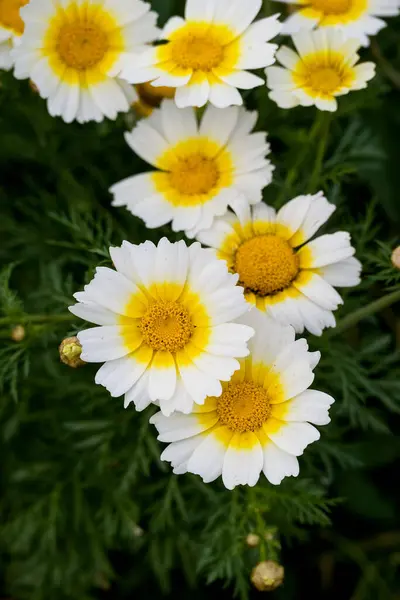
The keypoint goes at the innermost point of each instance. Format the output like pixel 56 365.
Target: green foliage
pixel 86 502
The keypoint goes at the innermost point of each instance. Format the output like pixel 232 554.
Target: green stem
pixel 325 121
pixel 318 127
pixel 26 319
pixel 364 312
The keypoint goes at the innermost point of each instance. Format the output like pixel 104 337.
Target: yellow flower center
pixel 266 264
pixel 10 17
pixel 152 96
pixel 195 174
pixel 325 80
pixel 201 51
pixel 166 326
pixel 81 45
pixel 243 406
pixel 332 7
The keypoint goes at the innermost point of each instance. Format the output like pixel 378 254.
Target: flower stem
pixel 322 131
pixel 364 312
pixel 26 319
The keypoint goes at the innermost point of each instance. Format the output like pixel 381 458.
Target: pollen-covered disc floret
pixel 356 19
pixel 73 51
pixel 291 280
pixel 202 167
pixel 260 422
pixel 11 29
pixel 165 330
pixel 325 66
pixel 206 55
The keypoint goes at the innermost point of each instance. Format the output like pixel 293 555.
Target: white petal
pixel 283 99
pixel 257 56
pixel 319 291
pixel 139 394
pixel 241 79
pixel 92 312
pixel 345 273
pixel 197 383
pixel 262 31
pixel 218 124
pixel 304 43
pixel 270 337
pixel 118 376
pixel 311 405
pixel 223 95
pixel 144 259
pixel 109 97
pixel 294 437
pixel 298 22
pixel 208 458
pixel 178 453
pixel 243 461
pixel 113 291
pixel 104 343
pixel 155 211
pixel 122 259
pixel 172 262
pixel 236 14
pixel 178 124
pixel 318 213
pixel 180 427
pixel 294 373
pixel 278 464
pixel 292 214
pixel 287 57
pixel 162 381
pixel 199 11
pixel 193 94
pixel 146 142
pixel 326 250
pixel 314 318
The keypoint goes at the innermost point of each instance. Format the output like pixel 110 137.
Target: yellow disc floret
pixel 266 264
pixel 332 7
pixel 82 45
pixel 10 17
pixel 243 406
pixel 166 326
pixel 197 50
pixel 194 175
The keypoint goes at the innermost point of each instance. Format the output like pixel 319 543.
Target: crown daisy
pixel 260 422
pixel 207 54
pixel 325 67
pixel 281 274
pixel 166 333
pixel 11 29
pixel 202 168
pixel 73 50
pixel 354 18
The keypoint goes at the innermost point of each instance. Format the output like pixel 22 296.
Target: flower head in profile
pixel 73 51
pixel 260 422
pixel 356 19
pixel 323 67
pixel 202 168
pixel 281 271
pixel 165 324
pixel 11 29
pixel 206 55
pixel 149 98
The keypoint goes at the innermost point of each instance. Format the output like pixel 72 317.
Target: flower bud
pixel 267 576
pixel 396 257
pixel 70 352
pixel 18 333
pixel 252 540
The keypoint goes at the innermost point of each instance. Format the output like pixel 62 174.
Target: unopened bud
pixel 396 257
pixel 70 352
pixel 267 576
pixel 18 333
pixel 137 531
pixel 252 540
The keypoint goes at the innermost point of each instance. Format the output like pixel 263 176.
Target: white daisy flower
pixel 166 333
pixel 261 421
pixel 324 67
pixel 207 54
pixel 202 167
pixel 72 50
pixel 354 18
pixel 293 281
pixel 11 29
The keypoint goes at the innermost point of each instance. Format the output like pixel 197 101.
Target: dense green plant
pixel 85 500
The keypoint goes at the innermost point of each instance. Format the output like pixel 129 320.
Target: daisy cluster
pixel 206 331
